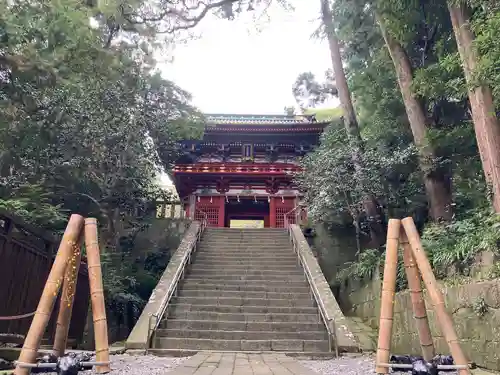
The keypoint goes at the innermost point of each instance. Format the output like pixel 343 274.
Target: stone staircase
pixel 244 291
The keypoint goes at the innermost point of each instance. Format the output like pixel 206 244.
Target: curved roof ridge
pixel 236 119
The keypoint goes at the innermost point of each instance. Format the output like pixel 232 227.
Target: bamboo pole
pixel 49 294
pixel 97 295
pixel 388 291
pixel 67 299
pixel 444 319
pixel 417 299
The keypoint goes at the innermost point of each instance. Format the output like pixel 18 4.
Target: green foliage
pixel 368 263
pixel 308 92
pixel 333 187
pixel 129 280
pixel 86 125
pixel 324 114
pixel 449 247
pixel 33 204
pixel 456 244
pixel 85 122
pixel 486 26
pixel 480 307
pixel 423 28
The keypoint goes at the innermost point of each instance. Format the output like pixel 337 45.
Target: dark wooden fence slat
pixel 24 267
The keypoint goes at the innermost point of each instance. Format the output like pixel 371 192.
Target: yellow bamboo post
pixel 97 295
pixel 66 303
pixel 444 319
pixel 417 299
pixel 49 294
pixel 388 291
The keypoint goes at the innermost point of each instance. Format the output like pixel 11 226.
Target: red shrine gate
pixel 216 209
pixel 242 172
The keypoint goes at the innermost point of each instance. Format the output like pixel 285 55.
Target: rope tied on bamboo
pixel 17 317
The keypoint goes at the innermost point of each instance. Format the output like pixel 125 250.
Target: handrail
pixel 179 274
pixel 287 223
pixel 327 319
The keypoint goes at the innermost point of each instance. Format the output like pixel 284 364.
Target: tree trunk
pixel 351 123
pixel 436 185
pixel 486 124
pixel 373 212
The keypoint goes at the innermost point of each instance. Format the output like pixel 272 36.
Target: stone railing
pixel 154 310
pixel 341 336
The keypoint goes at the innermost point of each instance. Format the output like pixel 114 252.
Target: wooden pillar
pixel 417 299
pixel 444 319
pixel 272 212
pixel 49 294
pixel 97 295
pixel 67 300
pixel 388 294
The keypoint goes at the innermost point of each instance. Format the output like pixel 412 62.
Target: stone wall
pixel 161 234
pixel 333 247
pixel 475 310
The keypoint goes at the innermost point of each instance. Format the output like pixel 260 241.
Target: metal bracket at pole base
pixel 54 365
pixel 439 367
pixel 422 367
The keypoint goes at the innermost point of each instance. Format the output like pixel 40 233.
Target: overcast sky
pixel 234 68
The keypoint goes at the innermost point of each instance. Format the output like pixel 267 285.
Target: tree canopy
pixel 85 124
pixel 393 167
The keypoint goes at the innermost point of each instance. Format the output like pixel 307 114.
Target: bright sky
pixel 233 68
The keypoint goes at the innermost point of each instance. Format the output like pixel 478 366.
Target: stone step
pixel 244 317
pixel 250 244
pixel 242 294
pixel 254 250
pixel 224 242
pixel 248 254
pixel 245 230
pixel 249 239
pixel 245 271
pixel 246 283
pixel 246 257
pixel 197 264
pixel 246 345
pixel 190 285
pixel 217 325
pixel 240 335
pixel 263 279
pixel 182 353
pixel 210 306
pixel 202 266
pixel 245 242
pixel 248 236
pixel 253 234
pixel 289 260
pixel 236 301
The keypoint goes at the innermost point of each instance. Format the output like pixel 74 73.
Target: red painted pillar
pixel 222 211
pixel 272 212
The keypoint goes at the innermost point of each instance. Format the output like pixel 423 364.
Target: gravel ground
pixel 349 365
pixel 356 365
pixel 124 364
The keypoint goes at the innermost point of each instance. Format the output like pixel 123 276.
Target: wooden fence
pixel 26 255
pixel 170 210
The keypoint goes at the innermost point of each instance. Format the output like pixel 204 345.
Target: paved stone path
pixel 241 364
